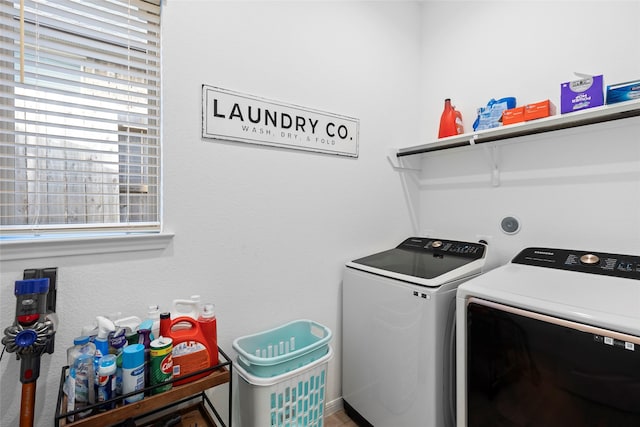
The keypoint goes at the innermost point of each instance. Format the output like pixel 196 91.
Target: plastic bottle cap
pixel 80 340
pixel 107 361
pixel 133 356
pixel 208 310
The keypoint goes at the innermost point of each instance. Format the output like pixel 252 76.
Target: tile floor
pixel 339 419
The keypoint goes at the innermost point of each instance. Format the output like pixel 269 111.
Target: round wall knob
pixel 510 225
pixel 589 259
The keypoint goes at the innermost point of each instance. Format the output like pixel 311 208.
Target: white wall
pixel 261 232
pixel 264 232
pixel 575 188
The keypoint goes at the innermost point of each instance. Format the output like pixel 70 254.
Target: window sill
pixel 11 250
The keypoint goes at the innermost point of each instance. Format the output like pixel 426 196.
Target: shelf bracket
pixel 406 163
pixel 492 155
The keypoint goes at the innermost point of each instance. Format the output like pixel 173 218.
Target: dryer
pixel 550 339
pixel 398 359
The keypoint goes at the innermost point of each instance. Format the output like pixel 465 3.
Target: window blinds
pixel 79 115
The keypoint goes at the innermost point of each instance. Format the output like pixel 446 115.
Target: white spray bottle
pixel 105 326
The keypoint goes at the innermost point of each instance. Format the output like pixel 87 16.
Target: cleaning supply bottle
pixel 152 322
pixel 153 316
pixel 117 344
pixel 101 341
pixel 129 323
pixel 209 326
pixel 145 341
pixel 133 372
pixel 79 384
pixel 193 350
pixel 106 384
pixel 81 345
pixel 161 364
pixel 450 121
pixel 85 376
pixel 69 389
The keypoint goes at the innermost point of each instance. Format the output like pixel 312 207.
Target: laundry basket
pixel 293 399
pixel 282 349
pixel 282 375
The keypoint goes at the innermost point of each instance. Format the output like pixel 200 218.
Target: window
pixel 79 116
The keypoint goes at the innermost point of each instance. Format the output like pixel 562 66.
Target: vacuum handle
pixel 27 404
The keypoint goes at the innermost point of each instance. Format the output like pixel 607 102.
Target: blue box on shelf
pixel 622 92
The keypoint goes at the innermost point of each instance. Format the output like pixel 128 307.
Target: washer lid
pixel 422 258
pixel 601 289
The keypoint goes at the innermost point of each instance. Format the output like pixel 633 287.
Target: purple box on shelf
pixel 588 92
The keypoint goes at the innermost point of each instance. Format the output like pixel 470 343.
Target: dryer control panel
pixel 617 265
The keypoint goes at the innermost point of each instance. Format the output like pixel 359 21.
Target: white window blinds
pixel 79 115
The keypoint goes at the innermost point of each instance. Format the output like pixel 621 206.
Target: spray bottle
pixel 152 322
pixel 101 341
pixel 129 324
pixel 117 343
pixel 145 340
pixel 105 326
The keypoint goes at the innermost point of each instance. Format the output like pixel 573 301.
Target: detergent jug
pixel 193 348
pixel 450 121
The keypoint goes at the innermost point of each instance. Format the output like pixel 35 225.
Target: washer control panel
pixel 607 264
pixel 441 247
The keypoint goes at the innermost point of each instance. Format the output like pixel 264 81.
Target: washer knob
pixel 437 244
pixel 589 259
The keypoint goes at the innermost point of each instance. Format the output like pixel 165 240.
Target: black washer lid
pixel 425 258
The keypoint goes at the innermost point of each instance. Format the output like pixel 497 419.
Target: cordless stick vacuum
pixel 30 337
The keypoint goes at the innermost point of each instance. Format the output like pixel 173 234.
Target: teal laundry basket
pixel 282 375
pixel 282 349
pixel 293 399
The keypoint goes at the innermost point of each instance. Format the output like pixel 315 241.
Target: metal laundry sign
pixel 238 117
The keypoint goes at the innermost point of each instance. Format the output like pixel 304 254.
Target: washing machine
pixel 550 339
pixel 398 347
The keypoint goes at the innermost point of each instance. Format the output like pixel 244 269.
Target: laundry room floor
pixel 339 419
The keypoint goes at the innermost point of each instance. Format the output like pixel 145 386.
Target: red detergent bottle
pixel 194 348
pixel 209 327
pixel 450 121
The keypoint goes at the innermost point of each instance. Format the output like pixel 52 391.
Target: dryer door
pixel 527 368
